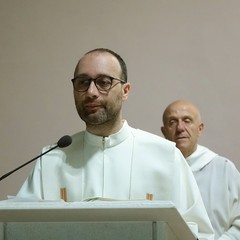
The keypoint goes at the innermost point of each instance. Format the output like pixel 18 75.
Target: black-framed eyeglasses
pixel 103 83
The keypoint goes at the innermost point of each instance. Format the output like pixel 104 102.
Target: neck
pixel 187 153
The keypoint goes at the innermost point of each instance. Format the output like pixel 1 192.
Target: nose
pixel 180 126
pixel 92 89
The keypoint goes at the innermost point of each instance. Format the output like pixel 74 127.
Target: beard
pixel 95 118
pixel 106 113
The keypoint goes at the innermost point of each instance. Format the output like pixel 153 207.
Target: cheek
pixel 115 98
pixel 77 99
pixel 170 133
pixel 194 133
pixel 77 95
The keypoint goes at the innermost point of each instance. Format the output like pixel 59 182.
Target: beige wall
pixel 174 49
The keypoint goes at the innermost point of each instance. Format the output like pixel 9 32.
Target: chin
pixel 182 147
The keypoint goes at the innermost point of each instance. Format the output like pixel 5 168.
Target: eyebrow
pixel 176 118
pixel 82 75
pixel 86 75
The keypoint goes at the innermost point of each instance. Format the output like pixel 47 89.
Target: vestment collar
pixel 111 140
pixel 201 157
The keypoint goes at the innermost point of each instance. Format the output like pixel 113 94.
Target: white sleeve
pixel 32 187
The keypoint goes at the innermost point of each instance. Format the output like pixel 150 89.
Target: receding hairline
pixel 122 64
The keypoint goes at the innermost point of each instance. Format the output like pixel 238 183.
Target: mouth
pixel 92 106
pixel 179 138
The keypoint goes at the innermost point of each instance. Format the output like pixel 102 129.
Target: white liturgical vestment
pixel 124 166
pixel 219 184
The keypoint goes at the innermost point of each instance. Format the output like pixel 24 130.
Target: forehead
pixel 181 111
pixel 96 63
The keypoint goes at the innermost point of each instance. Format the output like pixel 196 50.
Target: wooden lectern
pixel 105 220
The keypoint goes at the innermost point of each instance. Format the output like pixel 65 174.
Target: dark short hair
pixel 119 58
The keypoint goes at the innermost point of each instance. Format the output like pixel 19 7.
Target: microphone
pixel 62 143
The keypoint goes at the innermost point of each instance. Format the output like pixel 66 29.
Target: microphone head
pixel 64 141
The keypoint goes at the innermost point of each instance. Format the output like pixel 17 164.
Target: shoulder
pixel 151 141
pixel 220 161
pixel 150 137
pixel 77 139
pixel 160 150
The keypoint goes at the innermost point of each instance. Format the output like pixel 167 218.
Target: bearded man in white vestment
pixel 110 159
pixel 217 177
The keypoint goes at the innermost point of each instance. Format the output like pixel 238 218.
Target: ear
pixel 200 129
pixel 126 89
pixel 163 131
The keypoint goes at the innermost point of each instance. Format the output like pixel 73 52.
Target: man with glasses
pixel 110 159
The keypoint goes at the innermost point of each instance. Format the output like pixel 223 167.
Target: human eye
pixel 81 82
pixel 187 120
pixel 172 122
pixel 104 82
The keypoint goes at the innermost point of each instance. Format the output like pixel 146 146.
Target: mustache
pixel 91 101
